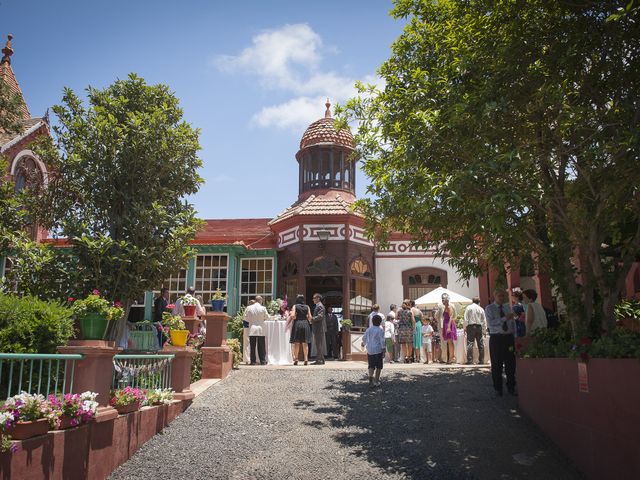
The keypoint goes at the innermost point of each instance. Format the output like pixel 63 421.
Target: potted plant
pixel 178 334
pixel 94 313
pixel 24 416
pixel 126 400
pixel 217 301
pixel 71 410
pixel 346 324
pixel 159 396
pixel 189 303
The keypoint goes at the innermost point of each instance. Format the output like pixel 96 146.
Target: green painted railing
pixel 36 373
pixel 142 371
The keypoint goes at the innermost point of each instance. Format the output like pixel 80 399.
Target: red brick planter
pixel 24 430
pixel 132 407
pixel 598 429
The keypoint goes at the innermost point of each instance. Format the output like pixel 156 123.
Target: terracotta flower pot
pixel 132 407
pixel 24 430
pixel 67 422
pixel 189 310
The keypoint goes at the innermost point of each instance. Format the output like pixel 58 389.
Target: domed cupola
pixel 325 158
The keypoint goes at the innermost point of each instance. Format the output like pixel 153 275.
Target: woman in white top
pixel 536 317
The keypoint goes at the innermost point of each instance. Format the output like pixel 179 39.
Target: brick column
pixel 94 372
pixel 543 287
pixel 192 324
pixel 181 371
pixel 217 357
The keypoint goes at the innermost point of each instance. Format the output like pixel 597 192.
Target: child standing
pixel 373 340
pixel 427 335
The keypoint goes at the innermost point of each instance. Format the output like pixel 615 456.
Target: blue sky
pixel 250 74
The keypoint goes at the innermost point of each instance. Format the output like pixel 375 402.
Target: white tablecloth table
pixel 460 346
pixel 276 343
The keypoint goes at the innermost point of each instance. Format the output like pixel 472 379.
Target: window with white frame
pixel 177 285
pixel 211 274
pixel 256 278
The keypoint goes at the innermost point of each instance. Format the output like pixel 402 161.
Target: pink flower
pixel 70 299
pixel 96 292
pixel 117 304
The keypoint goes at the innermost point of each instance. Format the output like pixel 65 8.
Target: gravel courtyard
pixel 301 423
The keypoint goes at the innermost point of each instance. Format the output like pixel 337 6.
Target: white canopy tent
pixel 434 297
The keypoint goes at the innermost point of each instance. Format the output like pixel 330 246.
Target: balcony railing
pixel 36 373
pixel 142 371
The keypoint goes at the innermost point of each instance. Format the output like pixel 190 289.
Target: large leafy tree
pixel 509 129
pixel 123 167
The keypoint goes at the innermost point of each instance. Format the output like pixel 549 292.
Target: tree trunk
pixel 119 333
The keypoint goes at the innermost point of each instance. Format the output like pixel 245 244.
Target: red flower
pixel 518 346
pixel 585 341
pixel 117 304
pixel 70 299
pixel 96 291
pixel 171 306
pixel 584 356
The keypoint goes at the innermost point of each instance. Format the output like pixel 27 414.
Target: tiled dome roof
pixel 323 131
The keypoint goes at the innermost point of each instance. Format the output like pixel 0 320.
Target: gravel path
pixel 325 424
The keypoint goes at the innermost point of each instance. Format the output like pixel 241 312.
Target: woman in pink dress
pixel 449 332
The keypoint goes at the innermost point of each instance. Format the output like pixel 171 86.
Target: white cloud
pixel 289 59
pixel 277 56
pixel 296 113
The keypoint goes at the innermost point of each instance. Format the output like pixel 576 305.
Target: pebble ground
pixel 301 423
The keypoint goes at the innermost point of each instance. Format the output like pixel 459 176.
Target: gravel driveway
pixel 302 423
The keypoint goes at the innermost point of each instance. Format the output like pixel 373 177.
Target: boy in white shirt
pixel 373 340
pixel 427 335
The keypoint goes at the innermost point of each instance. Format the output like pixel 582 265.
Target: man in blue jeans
pixel 501 324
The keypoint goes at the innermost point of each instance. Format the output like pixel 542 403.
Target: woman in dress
pixel 406 326
pixel 449 329
pixel 536 317
pixel 301 330
pixel 417 332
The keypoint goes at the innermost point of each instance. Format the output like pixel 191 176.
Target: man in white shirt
pixel 500 320
pixel 475 327
pixel 256 315
pixel 178 308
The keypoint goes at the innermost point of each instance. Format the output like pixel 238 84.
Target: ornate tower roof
pixel 6 73
pixel 323 132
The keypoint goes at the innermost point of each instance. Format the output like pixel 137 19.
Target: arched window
pixel 419 281
pixel 27 174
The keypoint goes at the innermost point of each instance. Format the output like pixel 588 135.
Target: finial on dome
pixel 327 113
pixel 7 51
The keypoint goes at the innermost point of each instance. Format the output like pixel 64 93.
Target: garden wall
pixel 598 429
pixel 90 451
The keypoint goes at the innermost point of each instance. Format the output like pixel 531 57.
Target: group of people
pixel 305 327
pixel 405 333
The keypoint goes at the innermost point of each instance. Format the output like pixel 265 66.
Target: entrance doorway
pixel 330 287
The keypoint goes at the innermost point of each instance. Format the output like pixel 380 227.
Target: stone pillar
pixel 217 357
pixel 94 371
pixel 513 279
pixel 346 344
pixel 192 324
pixel 181 371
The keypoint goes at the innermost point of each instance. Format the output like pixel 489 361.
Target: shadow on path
pixel 439 424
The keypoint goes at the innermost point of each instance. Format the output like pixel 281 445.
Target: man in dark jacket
pixel 159 306
pixel 332 335
pixel 319 328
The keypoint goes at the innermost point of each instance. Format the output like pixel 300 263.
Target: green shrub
pixel 234 345
pixel 234 327
pixel 31 325
pixel 628 309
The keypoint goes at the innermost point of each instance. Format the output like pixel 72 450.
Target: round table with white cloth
pixel 461 348
pixel 276 343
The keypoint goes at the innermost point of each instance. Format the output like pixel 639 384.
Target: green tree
pixel 510 128
pixel 10 109
pixel 123 167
